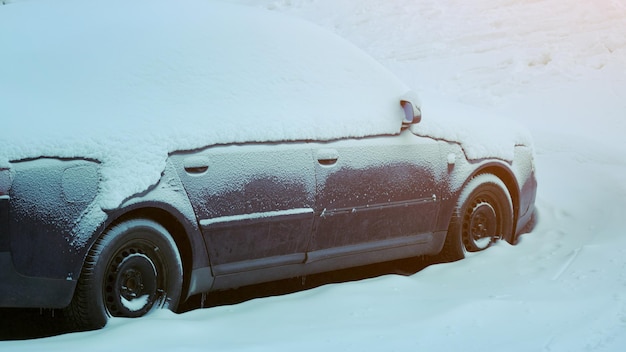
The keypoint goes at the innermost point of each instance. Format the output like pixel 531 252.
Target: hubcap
pixel 131 286
pixel 480 226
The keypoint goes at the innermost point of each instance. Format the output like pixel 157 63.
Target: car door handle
pixel 196 165
pixel 327 157
pixel 327 162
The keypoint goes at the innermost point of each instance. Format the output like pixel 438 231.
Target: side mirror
pixel 412 113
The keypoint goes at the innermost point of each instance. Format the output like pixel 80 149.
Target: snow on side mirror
pixel 410 103
pixel 412 113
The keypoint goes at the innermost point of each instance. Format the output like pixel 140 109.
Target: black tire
pixel 483 215
pixel 132 269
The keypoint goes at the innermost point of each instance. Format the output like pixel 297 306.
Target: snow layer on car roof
pixel 127 82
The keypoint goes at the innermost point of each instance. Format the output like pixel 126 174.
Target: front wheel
pixel 483 214
pixel 133 268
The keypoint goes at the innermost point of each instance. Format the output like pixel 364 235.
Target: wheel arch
pixel 450 251
pixel 183 231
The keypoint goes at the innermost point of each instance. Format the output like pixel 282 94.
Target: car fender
pixel 461 170
pixel 167 203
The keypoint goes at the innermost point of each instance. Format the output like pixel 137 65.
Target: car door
pixel 254 203
pixel 374 193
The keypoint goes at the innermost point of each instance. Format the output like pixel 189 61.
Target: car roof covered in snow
pixel 127 82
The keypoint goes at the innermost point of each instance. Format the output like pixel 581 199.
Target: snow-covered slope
pixel 557 67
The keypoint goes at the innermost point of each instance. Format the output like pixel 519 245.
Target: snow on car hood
pixel 127 82
pixel 480 134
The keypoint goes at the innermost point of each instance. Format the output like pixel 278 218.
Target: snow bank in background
pixel 126 82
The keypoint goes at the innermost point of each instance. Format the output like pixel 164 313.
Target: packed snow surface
pixel 557 67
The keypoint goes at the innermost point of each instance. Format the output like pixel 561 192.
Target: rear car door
pixel 254 203
pixel 374 193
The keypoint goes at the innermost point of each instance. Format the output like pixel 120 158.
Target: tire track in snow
pixel 571 258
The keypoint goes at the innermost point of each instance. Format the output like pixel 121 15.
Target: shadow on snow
pixel 22 324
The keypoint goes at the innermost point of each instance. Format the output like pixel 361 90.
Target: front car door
pixel 374 194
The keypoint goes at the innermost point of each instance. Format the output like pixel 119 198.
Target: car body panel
pixel 257 213
pixel 523 167
pixel 254 202
pixel 275 209
pixel 518 175
pixel 48 198
pixel 376 190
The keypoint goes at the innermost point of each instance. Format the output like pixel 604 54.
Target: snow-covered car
pixel 156 150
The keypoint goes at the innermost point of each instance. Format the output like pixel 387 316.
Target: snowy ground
pixel 556 66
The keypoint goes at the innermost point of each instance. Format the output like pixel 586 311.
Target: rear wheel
pixel 483 214
pixel 131 270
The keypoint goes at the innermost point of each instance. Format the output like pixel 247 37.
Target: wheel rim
pixel 481 225
pixel 133 281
